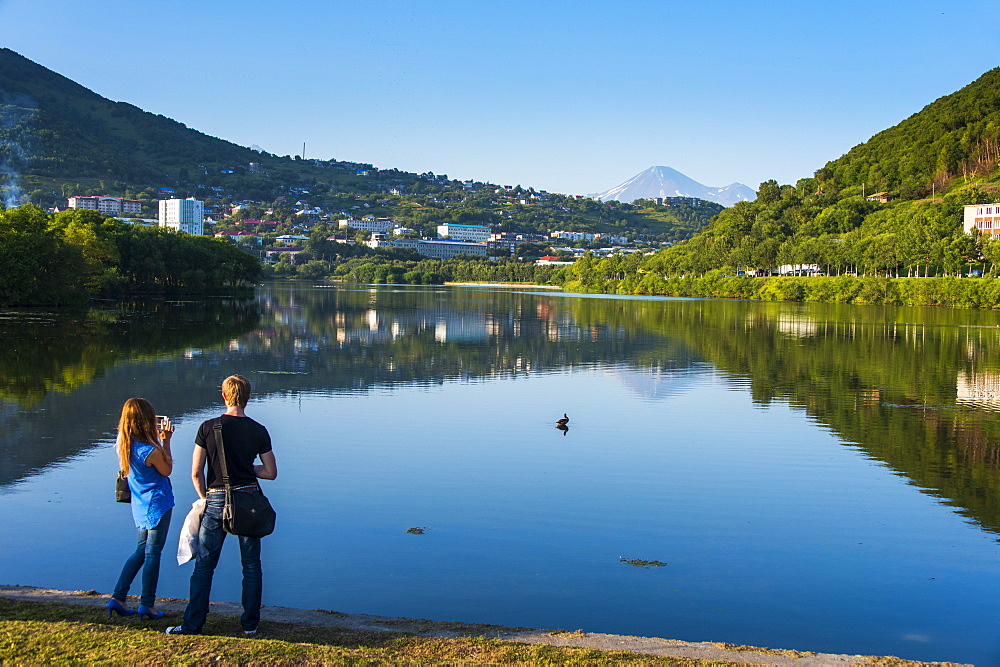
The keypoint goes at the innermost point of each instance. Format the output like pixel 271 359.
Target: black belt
pixel 220 489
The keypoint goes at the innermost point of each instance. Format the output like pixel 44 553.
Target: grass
pixel 51 632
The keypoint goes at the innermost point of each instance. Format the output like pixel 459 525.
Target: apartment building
pixel 186 215
pixel 473 233
pixel 984 217
pixel 108 205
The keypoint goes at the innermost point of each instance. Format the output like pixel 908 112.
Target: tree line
pixel 66 257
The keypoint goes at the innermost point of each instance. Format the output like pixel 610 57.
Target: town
pixel 288 228
pixel 294 239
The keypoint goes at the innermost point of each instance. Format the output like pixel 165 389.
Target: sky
pixel 570 97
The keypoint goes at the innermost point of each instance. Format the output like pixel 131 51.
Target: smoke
pixel 17 122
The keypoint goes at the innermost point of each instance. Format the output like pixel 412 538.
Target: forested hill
pixel 58 138
pixel 956 136
pixel 923 171
pixel 54 127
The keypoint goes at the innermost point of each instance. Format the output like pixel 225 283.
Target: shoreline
pixel 653 646
pixel 507 285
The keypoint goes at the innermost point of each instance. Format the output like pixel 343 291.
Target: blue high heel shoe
pixel 144 612
pixel 116 607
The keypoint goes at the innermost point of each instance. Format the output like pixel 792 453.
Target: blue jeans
pixel 212 536
pixel 147 558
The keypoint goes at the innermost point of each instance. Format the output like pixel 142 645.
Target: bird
pixel 563 421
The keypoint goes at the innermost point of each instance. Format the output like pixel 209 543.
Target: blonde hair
pixel 236 391
pixel 137 424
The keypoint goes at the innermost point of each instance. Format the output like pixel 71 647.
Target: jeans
pixel 146 557
pixel 212 536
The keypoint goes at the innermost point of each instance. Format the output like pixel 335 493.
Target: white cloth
pixel 189 545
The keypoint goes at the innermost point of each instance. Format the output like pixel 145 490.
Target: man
pixel 244 440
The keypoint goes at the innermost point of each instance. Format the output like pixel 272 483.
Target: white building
pixel 474 233
pixel 448 249
pixel 186 215
pixel 368 224
pixel 800 270
pixel 984 217
pixel 108 205
pixel 431 248
pixel 573 236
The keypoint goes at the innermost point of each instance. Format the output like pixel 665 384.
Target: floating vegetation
pixel 417 530
pixel 638 562
pixel 567 633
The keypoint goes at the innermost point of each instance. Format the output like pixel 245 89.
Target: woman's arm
pixel 267 468
pixel 166 431
pixel 199 457
pixel 161 461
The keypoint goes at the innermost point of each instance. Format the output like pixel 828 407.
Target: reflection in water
pixel 65 374
pixel 979 390
pixel 656 384
pixel 851 368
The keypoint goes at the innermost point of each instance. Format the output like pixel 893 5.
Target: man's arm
pixel 267 468
pixel 198 460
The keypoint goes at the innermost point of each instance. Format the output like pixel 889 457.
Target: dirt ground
pixel 654 646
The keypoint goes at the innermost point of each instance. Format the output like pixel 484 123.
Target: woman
pixel 144 454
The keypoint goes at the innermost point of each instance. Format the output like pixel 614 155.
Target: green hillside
pixel 928 166
pixel 58 138
pixel 952 140
pixel 67 131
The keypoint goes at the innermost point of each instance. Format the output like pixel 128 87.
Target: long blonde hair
pixel 137 424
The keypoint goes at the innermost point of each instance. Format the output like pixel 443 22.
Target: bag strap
pixel 220 447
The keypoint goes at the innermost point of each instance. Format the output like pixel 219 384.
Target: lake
pixel 800 476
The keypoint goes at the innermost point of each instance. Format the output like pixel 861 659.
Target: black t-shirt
pixel 244 439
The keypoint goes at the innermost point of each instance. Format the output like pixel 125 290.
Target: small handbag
pixel 123 494
pixel 246 514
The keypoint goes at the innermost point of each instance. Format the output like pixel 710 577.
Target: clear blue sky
pixel 570 97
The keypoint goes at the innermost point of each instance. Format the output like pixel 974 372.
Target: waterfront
pixel 814 477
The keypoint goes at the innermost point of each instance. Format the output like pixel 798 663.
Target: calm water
pixel 814 477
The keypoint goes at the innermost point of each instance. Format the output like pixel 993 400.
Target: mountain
pixel 667 182
pixel 57 135
pixel 52 126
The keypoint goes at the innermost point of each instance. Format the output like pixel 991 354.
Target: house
pixel 881 197
pixel 260 225
pixel 241 237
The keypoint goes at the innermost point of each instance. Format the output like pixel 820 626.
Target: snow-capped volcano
pixel 667 182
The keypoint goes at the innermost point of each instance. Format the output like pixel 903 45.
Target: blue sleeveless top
pixel 152 494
